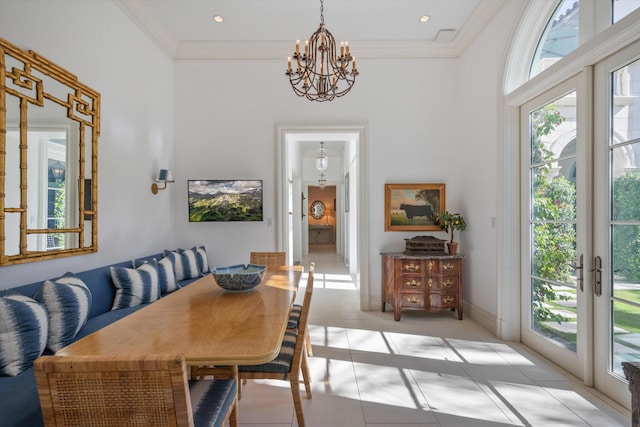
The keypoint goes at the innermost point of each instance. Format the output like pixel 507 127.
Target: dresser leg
pixel 384 306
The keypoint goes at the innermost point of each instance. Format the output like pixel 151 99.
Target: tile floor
pixel 427 370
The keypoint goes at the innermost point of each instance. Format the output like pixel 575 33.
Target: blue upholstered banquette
pixel 19 402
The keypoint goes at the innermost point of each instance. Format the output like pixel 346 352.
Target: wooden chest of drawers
pixel 421 282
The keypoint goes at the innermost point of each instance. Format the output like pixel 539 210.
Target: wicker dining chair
pixel 270 259
pixel 98 391
pixel 274 260
pixel 292 358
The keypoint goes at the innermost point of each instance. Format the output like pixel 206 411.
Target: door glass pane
pixel 625 217
pixel 553 221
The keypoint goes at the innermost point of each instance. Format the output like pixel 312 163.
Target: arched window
pixel 560 37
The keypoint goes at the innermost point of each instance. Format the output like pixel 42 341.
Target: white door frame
pixel 286 135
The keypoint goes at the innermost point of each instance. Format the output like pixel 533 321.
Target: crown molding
pixel 380 49
pixel 146 19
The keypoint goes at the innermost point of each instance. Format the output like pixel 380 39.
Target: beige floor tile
pixel 427 370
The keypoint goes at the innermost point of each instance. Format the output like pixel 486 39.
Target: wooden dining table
pixel 204 323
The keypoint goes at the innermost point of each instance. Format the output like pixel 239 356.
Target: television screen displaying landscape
pixel 218 200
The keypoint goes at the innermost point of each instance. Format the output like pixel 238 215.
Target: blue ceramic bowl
pixel 239 278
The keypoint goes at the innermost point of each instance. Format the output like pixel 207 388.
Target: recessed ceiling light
pixel 424 18
pixel 218 18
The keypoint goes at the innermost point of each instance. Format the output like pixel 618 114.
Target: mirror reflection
pixel 51 126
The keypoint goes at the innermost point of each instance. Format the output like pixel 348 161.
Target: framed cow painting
pixel 413 207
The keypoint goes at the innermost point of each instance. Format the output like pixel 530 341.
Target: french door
pixel 556 234
pixel 617 219
pixel 581 222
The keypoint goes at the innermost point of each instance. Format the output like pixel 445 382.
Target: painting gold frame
pixel 412 207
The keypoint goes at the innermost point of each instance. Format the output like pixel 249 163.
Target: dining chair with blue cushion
pixel 292 358
pixel 274 260
pixel 100 391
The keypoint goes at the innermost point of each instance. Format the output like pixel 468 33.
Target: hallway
pixel 427 370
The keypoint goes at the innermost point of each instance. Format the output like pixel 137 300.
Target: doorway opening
pixel 299 233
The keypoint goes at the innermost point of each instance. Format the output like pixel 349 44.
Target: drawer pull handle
pixel 430 265
pixel 448 300
pixel 412 267
pixel 414 300
pixel 447 283
pixel 448 267
pixel 414 283
pixel 430 282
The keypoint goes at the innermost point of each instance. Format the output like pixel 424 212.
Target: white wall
pixel 481 78
pixel 96 42
pixel 227 131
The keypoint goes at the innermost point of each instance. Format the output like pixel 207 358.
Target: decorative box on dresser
pixel 423 282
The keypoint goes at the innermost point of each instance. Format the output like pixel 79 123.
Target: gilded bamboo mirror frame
pixel 49 128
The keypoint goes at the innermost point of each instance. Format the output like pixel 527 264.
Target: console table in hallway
pixel 320 234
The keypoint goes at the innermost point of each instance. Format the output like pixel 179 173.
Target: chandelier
pixel 322 182
pixel 320 74
pixel 322 161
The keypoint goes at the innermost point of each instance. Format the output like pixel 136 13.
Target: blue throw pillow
pixel 166 274
pixel 203 262
pixel 23 333
pixel 185 263
pixel 135 286
pixel 68 301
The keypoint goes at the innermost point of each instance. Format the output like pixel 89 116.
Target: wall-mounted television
pixel 224 200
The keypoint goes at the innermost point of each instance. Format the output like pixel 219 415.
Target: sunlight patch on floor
pixel 334 281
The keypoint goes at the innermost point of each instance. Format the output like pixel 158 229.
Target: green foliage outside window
pixel 554 202
pixel 626 238
pixel 554 244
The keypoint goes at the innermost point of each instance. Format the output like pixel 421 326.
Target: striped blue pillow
pixel 185 263
pixel 23 333
pixel 135 286
pixel 166 274
pixel 203 262
pixel 68 301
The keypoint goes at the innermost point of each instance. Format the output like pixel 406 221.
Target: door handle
pixel 597 276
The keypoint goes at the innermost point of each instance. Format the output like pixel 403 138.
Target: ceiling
pixel 185 29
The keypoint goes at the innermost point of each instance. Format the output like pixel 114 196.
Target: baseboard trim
pixel 482 317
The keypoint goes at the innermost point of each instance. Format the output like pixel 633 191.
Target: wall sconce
pixel 164 175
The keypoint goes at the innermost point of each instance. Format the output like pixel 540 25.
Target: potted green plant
pixel 451 221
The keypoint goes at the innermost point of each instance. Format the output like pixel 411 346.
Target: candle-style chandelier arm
pixel 319 73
